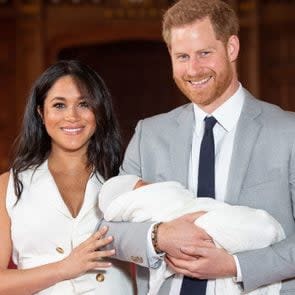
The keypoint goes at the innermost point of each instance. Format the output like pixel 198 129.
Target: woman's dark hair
pixel 33 144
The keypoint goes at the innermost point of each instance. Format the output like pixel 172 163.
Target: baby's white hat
pixel 114 187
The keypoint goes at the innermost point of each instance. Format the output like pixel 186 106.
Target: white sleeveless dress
pixel 44 231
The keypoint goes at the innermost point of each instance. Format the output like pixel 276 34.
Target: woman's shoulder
pixel 4 179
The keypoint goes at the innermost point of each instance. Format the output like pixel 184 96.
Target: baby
pixel 234 228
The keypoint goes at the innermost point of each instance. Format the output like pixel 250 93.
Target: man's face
pixel 203 67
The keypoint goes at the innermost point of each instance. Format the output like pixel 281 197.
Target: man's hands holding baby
pixel 182 232
pixel 191 251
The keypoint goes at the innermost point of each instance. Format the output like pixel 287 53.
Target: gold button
pixel 100 277
pixel 60 250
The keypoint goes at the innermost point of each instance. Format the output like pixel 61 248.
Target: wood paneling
pixel 278 64
pixel 7 85
pixel 34 33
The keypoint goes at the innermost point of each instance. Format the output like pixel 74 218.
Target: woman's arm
pixel 29 281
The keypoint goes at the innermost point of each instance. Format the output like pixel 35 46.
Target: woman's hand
pixel 87 256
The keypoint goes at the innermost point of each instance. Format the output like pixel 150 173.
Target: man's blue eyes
pixel 186 57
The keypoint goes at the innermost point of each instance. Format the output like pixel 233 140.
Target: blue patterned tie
pixel 206 188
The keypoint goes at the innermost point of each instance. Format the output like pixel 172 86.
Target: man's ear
pixel 233 47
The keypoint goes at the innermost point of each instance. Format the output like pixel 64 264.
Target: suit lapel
pixel 180 145
pixel 248 129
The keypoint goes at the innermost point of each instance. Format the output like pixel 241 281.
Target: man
pixel 253 160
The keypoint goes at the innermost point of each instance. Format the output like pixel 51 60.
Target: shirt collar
pixel 227 115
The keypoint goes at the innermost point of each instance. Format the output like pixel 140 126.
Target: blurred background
pixel 121 39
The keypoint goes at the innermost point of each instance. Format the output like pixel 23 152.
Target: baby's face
pixel 140 183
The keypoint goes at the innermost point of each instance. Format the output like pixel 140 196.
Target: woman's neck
pixel 67 162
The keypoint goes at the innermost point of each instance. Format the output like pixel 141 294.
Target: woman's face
pixel 68 119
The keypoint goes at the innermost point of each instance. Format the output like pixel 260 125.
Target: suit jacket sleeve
pixel 274 263
pixel 130 239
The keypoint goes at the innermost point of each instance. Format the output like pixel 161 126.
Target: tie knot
pixel 209 123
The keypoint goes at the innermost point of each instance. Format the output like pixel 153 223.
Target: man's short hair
pixel 223 18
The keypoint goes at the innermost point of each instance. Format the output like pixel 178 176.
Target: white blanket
pixel 234 228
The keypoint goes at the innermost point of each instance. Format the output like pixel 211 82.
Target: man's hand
pixel 203 263
pixel 182 232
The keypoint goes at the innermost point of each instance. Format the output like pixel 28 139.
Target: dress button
pixel 60 250
pixel 100 277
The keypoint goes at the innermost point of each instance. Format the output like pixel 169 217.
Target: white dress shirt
pixel 227 116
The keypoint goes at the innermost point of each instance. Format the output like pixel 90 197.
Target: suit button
pixel 60 250
pixel 100 277
pixel 137 259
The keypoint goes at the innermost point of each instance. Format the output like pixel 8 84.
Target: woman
pixel 69 144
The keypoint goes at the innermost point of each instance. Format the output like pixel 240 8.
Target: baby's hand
pixel 140 183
